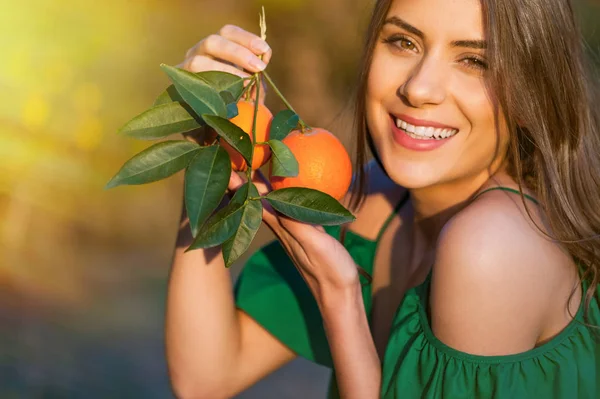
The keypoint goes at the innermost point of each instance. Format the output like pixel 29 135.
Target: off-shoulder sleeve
pixel 418 365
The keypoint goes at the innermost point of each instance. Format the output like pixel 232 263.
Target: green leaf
pixel 283 123
pixel 232 109
pixel 284 161
pixel 227 97
pixel 168 96
pixel 206 180
pixel 220 81
pixel 160 121
pixel 155 163
pixel 309 206
pixel 232 134
pixel 224 81
pixel 223 224
pixel 202 98
pixel 250 222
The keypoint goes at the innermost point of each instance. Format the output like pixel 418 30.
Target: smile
pixel 420 135
pixel 424 132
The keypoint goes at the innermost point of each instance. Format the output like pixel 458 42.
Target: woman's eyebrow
pixel 399 22
pixel 404 25
pixel 476 44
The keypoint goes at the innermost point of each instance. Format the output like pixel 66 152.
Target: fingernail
pixel 257 64
pixel 260 45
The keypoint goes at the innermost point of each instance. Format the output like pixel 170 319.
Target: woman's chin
pixel 412 176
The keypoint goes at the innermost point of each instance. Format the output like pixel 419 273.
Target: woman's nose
pixel 425 85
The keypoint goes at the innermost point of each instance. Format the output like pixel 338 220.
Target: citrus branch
pixel 263 36
pixel 257 84
pixel 263 24
pixel 285 101
pixel 246 92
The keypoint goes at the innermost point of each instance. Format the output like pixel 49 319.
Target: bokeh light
pixel 83 271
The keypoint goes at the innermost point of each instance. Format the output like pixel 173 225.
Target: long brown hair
pixel 546 90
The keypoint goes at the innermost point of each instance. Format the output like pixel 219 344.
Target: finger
pixel 303 233
pixel 261 182
pixel 217 46
pixel 201 63
pixel 200 136
pixel 267 56
pixel 235 182
pixel 245 39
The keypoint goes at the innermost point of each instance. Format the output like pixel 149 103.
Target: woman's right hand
pixel 232 50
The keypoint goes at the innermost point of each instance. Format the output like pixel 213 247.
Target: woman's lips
pixel 405 140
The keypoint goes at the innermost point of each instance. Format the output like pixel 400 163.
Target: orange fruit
pixel 244 119
pixel 323 163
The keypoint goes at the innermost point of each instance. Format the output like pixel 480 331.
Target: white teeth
pixel 424 132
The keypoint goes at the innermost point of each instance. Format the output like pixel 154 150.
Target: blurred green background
pixel 83 271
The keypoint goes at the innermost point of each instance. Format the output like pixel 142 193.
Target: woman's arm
pixel 213 350
pixel 357 365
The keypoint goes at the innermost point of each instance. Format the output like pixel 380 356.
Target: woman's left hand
pixel 323 262
pixel 332 276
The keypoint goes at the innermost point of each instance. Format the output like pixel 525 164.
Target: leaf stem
pixel 285 101
pixel 256 103
pixel 246 92
pixel 257 83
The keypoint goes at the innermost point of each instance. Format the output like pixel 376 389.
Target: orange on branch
pixel 244 120
pixel 324 163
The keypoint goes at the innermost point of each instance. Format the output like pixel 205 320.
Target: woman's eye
pixel 475 63
pixel 402 42
pixel 406 44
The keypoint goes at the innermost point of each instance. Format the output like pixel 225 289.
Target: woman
pixel 479 223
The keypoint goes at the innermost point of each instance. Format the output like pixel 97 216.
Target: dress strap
pixel 512 190
pixel 397 208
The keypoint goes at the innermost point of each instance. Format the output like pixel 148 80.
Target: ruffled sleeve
pixel 418 365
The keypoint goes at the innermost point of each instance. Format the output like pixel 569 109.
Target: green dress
pixel 416 364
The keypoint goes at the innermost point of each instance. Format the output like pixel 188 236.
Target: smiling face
pixel 428 110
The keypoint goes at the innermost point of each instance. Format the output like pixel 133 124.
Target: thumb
pixel 235 182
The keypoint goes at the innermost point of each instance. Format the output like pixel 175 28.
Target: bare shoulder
pixel 498 282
